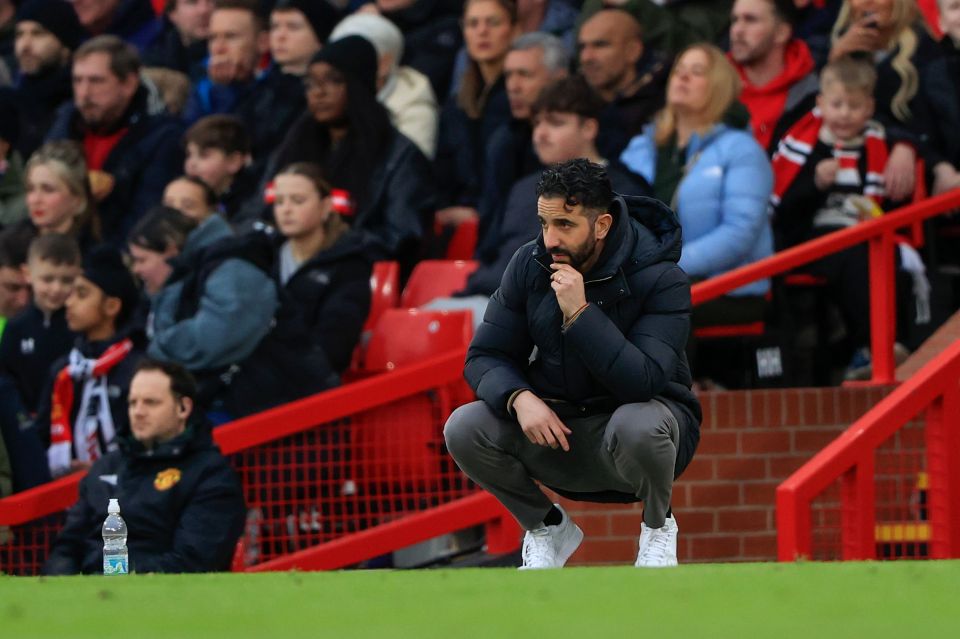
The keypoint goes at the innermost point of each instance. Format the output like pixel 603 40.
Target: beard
pixel 579 255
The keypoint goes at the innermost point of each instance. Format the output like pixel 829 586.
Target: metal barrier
pixel 889 486
pixel 358 458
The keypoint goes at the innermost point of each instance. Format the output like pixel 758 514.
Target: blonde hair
pixel 723 86
pixel 66 160
pixel 473 93
pixel 905 40
pixel 850 73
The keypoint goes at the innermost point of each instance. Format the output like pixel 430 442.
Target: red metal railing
pixel 882 238
pixel 889 486
pixel 367 457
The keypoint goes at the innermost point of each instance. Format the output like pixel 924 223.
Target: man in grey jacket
pixel 602 410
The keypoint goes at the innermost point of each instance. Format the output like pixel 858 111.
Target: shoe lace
pixel 658 545
pixel 537 548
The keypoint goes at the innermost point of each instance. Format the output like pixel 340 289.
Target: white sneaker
pixel 658 546
pixel 551 546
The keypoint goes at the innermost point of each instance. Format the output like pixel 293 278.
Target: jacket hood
pixel 645 231
pixel 211 230
pixel 798 63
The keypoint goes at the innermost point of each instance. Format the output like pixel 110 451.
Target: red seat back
pixel 384 290
pixel 435 278
pixel 463 242
pixel 409 335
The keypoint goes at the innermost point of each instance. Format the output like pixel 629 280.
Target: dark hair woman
pixel 347 132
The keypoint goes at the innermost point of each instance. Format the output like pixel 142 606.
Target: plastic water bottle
pixel 114 541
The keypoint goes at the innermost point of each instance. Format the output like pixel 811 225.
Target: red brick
pixel 760 547
pixel 760 494
pixel 775 407
pixel 684 546
pixel 702 468
pixel 747 520
pixel 717 442
pixel 828 406
pixel 625 524
pixel 793 410
pixel 714 494
pixel 594 525
pixel 810 400
pixel 782 467
pixel 681 495
pixel 606 551
pixel 715 548
pixel 739 409
pixel 721 411
pixel 764 441
pixel 706 405
pixel 695 522
pixel 740 468
pixel 813 440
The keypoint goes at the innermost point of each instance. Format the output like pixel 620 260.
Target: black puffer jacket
pixel 182 503
pixel 626 347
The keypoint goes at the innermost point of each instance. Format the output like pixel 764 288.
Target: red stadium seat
pixel 435 278
pixel 384 289
pixel 403 336
pixel 464 240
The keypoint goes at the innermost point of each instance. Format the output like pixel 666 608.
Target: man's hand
pixel 539 423
pixel 900 176
pixel 567 283
pixel 825 174
pixel 455 215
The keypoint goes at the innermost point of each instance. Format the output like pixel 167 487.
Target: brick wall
pixel 724 503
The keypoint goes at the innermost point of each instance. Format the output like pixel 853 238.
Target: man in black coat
pixel 131 144
pixel 580 369
pixel 181 501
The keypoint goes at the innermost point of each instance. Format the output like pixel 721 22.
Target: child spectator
pixel 218 152
pixel 828 176
pixel 191 196
pixel 84 405
pixel 38 336
pixel 58 194
pixel 322 264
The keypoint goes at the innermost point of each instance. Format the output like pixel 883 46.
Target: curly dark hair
pixel 578 182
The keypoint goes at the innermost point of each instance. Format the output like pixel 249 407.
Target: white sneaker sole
pixel 563 554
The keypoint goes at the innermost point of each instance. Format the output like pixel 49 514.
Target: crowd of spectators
pixel 209 182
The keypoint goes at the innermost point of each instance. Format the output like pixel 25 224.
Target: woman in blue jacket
pixel 717 179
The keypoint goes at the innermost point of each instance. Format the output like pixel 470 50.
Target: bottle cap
pixel 114 507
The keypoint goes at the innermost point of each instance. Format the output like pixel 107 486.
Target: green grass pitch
pixel 906 600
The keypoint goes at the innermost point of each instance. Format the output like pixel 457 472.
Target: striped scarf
pixel 797 145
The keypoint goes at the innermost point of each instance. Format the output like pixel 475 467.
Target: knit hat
pixel 321 15
pixel 353 55
pixel 104 267
pixel 57 17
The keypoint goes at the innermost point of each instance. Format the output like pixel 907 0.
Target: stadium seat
pixel 384 290
pixel 435 278
pixel 463 243
pixel 404 336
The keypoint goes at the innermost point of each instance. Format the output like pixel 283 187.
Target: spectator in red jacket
pixel 775 67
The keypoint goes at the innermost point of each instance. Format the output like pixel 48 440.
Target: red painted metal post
pixel 858 511
pixel 794 526
pixel 943 469
pixel 883 311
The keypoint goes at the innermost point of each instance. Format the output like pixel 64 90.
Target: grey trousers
pixel 631 451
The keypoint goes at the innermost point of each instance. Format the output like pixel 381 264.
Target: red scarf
pixel 795 148
pixel 80 370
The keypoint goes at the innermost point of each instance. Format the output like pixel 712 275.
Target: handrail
pixel 880 234
pixel 935 387
pixel 267 426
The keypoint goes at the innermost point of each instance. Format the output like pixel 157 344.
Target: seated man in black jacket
pixel 580 369
pixel 182 502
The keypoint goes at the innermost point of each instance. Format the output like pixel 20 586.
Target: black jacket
pixel 332 290
pixel 626 347
pixel 39 96
pixel 518 224
pixel 30 345
pixel 400 199
pixel 145 159
pixel 431 38
pixel 168 51
pixel 182 503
